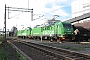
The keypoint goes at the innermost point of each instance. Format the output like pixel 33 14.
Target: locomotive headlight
pixel 65 33
pixel 61 36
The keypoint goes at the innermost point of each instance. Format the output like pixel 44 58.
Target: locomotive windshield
pixel 67 25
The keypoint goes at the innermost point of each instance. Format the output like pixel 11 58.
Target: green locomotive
pixel 24 33
pixel 59 30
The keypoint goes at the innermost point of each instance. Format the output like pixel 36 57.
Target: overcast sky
pixel 48 8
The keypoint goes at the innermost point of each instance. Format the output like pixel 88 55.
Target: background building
pixel 80 7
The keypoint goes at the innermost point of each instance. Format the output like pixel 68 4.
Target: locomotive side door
pixel 56 30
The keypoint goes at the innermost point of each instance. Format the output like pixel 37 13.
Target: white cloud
pixel 57 10
pixel 39 7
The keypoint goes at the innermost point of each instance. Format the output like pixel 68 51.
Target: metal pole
pixel 5 21
pixel 5 26
pixel 32 15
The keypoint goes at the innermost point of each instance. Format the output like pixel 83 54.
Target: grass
pixel 4 55
pixel 74 48
pixel 67 47
pixel 20 56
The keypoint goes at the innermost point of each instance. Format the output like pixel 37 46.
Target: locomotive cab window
pixel 67 25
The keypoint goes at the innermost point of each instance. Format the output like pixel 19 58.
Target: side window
pixel 58 26
pixel 42 28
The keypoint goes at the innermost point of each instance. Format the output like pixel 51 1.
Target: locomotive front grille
pixel 68 35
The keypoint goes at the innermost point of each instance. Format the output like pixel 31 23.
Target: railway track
pixel 51 53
